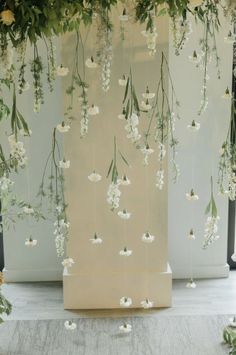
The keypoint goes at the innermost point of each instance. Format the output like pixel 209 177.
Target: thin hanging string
pixel 28 183
pixel 147 223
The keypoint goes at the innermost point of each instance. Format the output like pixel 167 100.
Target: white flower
pixel 146 105
pixel 28 210
pixel 64 164
pixel 162 151
pixel 124 17
pixel 227 95
pixel 70 325
pixel 24 86
pixel 151 36
pixel 17 151
pixel 132 127
pixel 146 150
pixel 148 95
pixel 125 302
pixel 7 17
pixel 5 183
pixel 233 257
pixel 63 127
pixel 113 195
pixel 124 214
pixel 194 126
pixel 93 110
pixel 148 238
pixel 62 224
pixel 24 133
pixel 195 58
pixel 68 262
pixel 94 177
pixel 211 228
pixel 90 63
pixel 123 81
pixel 121 116
pixel 160 179
pixel 191 284
pixel 146 304
pixel 230 38
pixel 31 242
pixel 124 181
pixel 125 328
pixel 96 239
pixel 125 252
pixel 232 322
pixel 62 71
pixel 191 196
pixel 191 235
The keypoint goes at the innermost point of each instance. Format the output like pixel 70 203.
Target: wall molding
pixel 201 271
pixel 31 275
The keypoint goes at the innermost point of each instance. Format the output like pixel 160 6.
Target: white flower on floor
pixel 28 210
pixel 68 262
pixel 125 252
pixel 132 127
pixel 148 238
pixel 148 95
pixel 125 328
pixel 194 126
pixel 62 71
pixel 230 38
pixel 232 322
pixel 7 17
pixel 121 116
pixel 191 284
pixel 31 242
pixel 90 63
pixel 191 196
pixel 5 183
pixel 94 177
pixel 195 58
pixel 211 228
pixel 93 110
pixel 146 105
pixel 64 164
pixel 125 302
pixel 191 235
pixel 160 179
pixel 63 127
pixel 124 17
pixel 123 81
pixel 96 239
pixel 233 257
pixel 147 151
pixel 113 195
pixel 69 325
pixel 227 95
pixel 146 304
pixel 124 214
pixel 124 181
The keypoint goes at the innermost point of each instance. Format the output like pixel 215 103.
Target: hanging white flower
pixel 151 36
pixel 28 210
pixel 162 151
pixel 145 105
pixel 69 325
pixel 194 126
pixel 68 262
pixel 121 116
pixel 132 127
pixel 147 303
pixel 63 127
pixel 191 196
pixel 191 284
pixel 160 179
pixel 148 238
pixel 96 239
pixel 24 133
pixel 123 81
pixel 195 58
pixel 124 17
pixel 62 224
pixel 62 71
pixel 125 302
pixel 64 164
pixel 5 183
pixel 230 38
pixel 24 87
pixel 124 181
pixel 191 235
pixel 17 150
pixel 125 252
pixel 211 228
pixel 113 195
pixel 227 95
pixel 7 17
pixel 232 322
pixel 124 214
pixel 233 257
pixel 95 177
pixel 147 151
pixel 148 95
pixel 90 63
pixel 93 110
pixel 31 242
pixel 125 328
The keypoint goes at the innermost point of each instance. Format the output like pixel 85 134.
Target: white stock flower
pixel 211 228
pixel 148 238
pixel 96 239
pixel 160 179
pixel 17 150
pixel 145 105
pixel 191 284
pixel 148 95
pixel 63 127
pixel 124 214
pixel 147 303
pixel 132 127
pixel 162 151
pixel 125 328
pixel 31 242
pixel 191 235
pixel 93 110
pixel 124 181
pixel 195 58
pixel 121 116
pixel 62 71
pixel 151 37
pixel 124 17
pixel 69 325
pixel 28 210
pixel 68 262
pixel 64 164
pixel 147 151
pixel 90 63
pixel 227 95
pixel 125 252
pixel 123 81
pixel 24 133
pixel 113 195
pixel 94 177
pixel 194 126
pixel 125 302
pixel 191 196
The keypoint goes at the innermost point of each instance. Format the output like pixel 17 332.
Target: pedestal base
pixel 94 291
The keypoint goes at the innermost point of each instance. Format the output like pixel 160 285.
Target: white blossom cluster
pixel 106 63
pixel 61 233
pixel 5 183
pixel 84 116
pixel 232 184
pixel 113 195
pixel 211 228
pixel 151 39
pixel 160 179
pixel 181 30
pixel 147 151
pixel 162 151
pixel 17 151
pixel 132 127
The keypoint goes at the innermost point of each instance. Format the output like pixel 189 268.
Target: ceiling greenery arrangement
pixel 26 23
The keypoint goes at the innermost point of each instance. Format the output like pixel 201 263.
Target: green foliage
pixel 5 307
pixel 229 336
